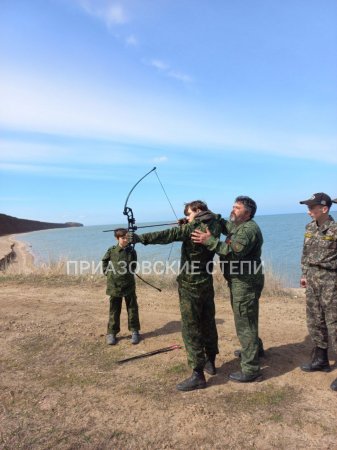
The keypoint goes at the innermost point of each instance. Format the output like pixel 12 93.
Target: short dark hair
pixel 120 232
pixel 248 203
pixel 196 204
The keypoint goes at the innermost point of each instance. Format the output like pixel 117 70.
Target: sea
pixel 282 233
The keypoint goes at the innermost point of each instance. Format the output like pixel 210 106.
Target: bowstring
pixel 161 184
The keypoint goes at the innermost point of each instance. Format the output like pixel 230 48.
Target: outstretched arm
pixel 165 236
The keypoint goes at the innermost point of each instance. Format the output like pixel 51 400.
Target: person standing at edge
pixel 118 264
pixel 196 292
pixel 240 258
pixel 319 277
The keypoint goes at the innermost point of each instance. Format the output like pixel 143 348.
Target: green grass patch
pixel 178 369
pixel 66 378
pixel 266 399
pixel 276 417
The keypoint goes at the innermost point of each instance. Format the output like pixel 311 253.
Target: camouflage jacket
pixel 196 260
pixel 118 265
pixel 240 254
pixel 320 246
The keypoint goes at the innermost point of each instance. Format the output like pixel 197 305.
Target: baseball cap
pixel 318 199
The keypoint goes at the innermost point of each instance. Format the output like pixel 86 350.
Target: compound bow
pixel 132 227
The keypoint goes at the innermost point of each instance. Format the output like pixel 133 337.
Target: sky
pixel 224 97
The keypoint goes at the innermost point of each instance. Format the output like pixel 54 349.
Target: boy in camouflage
pixel 118 265
pixel 196 293
pixel 319 277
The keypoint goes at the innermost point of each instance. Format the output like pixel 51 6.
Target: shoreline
pixel 24 260
pixel 24 263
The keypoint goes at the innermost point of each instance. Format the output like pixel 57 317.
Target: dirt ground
pixel 61 387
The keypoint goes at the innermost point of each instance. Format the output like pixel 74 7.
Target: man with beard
pixel 240 259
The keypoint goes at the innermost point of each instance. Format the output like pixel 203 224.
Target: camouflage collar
pixel 326 224
pixel 204 216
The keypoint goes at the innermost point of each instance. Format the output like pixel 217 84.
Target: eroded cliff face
pixel 8 257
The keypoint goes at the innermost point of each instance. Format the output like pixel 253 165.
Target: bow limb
pixel 132 227
pixel 146 282
pixel 128 210
pixel 127 198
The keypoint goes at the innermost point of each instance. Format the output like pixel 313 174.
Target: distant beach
pixel 24 259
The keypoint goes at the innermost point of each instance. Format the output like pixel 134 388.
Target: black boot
pixel 210 365
pixel 196 381
pixel 334 385
pixel 319 361
pixel 241 377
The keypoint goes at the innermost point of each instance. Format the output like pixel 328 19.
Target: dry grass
pixel 61 388
pixel 274 285
pixel 56 273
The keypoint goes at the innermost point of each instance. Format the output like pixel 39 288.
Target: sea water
pixel 282 248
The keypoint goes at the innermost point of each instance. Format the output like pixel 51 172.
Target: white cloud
pixel 131 41
pixel 62 171
pixel 110 12
pixel 27 168
pixel 16 199
pixel 57 106
pixel 165 68
pixel 114 14
pixel 48 106
pixel 159 64
pixel 180 76
pixel 16 150
pixel 160 159
pixel 21 155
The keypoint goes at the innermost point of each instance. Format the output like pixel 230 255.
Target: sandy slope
pixel 5 245
pixel 24 259
pixel 62 389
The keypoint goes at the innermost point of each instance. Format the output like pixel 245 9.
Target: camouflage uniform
pixel 118 263
pixel 195 286
pixel 240 259
pixel 319 267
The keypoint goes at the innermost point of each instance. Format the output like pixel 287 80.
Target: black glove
pixel 133 238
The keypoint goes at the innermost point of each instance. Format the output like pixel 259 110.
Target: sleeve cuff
pixel 212 243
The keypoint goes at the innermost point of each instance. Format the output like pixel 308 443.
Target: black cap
pixel 318 199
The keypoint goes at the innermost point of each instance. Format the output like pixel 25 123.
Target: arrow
pixel 154 352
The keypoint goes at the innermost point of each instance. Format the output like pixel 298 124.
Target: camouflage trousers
pixel 115 313
pixel 245 294
pixel 198 321
pixel 321 296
